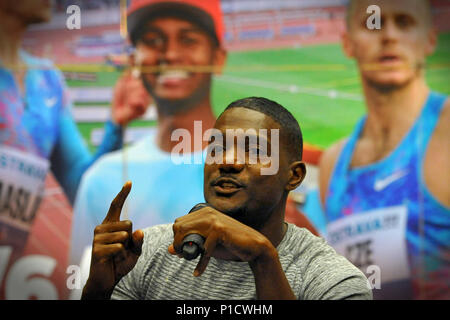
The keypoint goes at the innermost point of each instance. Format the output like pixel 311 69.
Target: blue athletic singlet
pixel 383 218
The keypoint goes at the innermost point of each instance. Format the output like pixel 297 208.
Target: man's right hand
pixel 130 99
pixel 115 250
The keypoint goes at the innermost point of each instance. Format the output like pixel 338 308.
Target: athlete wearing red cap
pixel 206 13
pixel 178 40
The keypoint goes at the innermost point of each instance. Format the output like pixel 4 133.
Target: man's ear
pixel 219 59
pixel 297 172
pixel 347 45
pixel 432 39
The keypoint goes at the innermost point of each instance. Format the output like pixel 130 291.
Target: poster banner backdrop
pixel 287 51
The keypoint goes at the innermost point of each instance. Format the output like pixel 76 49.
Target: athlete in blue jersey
pixel 37 131
pixel 385 189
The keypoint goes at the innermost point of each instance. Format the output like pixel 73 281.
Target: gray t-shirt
pixel 314 271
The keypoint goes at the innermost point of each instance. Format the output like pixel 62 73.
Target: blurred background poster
pixel 288 51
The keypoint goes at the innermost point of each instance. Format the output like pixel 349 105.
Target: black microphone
pixel 192 244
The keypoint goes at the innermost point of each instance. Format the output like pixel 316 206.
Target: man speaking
pixel 249 251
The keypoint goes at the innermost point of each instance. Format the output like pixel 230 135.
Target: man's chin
pixel 171 107
pixel 388 83
pixel 170 102
pixel 238 211
pixel 172 94
pixel 223 205
pixel 227 206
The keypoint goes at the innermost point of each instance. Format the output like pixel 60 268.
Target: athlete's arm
pixel 436 165
pixel 71 157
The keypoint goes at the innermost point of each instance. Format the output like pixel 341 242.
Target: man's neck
pixel 275 228
pixel 390 114
pixel 167 124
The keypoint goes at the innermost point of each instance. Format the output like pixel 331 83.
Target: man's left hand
pixel 225 238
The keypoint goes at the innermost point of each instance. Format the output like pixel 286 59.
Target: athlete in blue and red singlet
pixel 37 131
pixel 385 189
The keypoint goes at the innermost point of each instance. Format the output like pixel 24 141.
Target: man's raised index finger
pixel 115 209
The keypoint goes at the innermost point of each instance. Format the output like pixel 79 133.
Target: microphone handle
pixel 193 244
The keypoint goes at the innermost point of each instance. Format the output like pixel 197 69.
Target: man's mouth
pixel 389 59
pixel 172 77
pixel 226 186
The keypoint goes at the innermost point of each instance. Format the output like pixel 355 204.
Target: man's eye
pixel 404 21
pixel 215 148
pixel 188 41
pixel 154 42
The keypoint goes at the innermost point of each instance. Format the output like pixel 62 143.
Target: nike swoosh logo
pixel 383 183
pixel 50 102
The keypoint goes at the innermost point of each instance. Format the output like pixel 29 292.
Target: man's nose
pixel 172 51
pixel 232 161
pixel 390 31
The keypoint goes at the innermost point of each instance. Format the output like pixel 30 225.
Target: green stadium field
pixel 318 84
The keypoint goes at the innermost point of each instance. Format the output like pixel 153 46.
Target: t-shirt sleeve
pixel 330 276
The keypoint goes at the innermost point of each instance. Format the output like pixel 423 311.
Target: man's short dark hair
pixel 290 128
